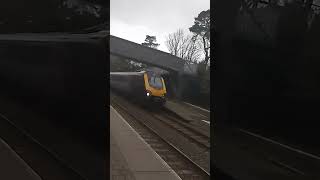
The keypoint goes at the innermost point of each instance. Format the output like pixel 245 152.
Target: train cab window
pixel 155 82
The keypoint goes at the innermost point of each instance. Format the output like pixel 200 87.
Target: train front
pixel 155 87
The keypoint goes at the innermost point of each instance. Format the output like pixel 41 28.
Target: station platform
pixel 188 111
pixel 12 166
pixel 131 158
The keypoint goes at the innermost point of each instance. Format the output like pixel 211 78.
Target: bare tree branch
pixel 183 46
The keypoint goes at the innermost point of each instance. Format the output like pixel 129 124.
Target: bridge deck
pixel 127 49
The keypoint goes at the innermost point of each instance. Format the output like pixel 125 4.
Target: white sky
pixel 134 19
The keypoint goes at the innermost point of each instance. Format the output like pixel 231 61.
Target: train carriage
pixel 145 85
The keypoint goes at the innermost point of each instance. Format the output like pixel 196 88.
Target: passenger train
pixel 147 86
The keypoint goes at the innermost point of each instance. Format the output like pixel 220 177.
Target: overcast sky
pixel 134 19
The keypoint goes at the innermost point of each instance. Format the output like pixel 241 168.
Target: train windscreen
pixel 155 82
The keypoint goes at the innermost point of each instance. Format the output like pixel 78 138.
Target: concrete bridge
pixel 130 50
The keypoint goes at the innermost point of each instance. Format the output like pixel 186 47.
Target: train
pixel 145 86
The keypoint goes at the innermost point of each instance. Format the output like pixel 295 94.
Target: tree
pixel 150 41
pixel 201 31
pixel 184 46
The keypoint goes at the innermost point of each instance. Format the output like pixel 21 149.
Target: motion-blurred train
pixel 145 85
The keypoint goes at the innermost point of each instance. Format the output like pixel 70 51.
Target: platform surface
pixel 131 157
pixel 12 167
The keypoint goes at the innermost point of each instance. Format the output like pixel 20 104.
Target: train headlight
pixel 148 94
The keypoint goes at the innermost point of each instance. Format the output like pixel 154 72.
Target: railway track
pixel 185 167
pixel 46 163
pixel 193 134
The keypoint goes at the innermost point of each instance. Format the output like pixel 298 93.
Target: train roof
pixel 127 73
pixel 134 73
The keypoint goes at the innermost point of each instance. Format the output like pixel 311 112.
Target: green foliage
pixel 201 26
pixel 150 41
pixel 201 31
